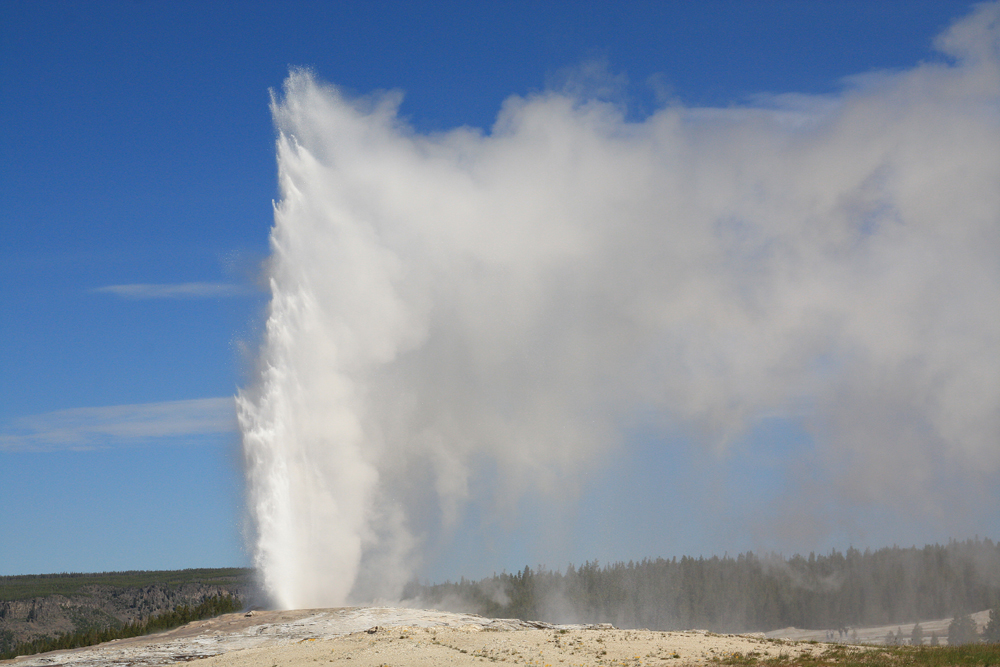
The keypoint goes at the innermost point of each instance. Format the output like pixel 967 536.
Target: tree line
pixel 180 615
pixel 745 593
pixel 961 631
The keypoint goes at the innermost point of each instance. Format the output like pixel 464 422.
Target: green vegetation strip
pixel 214 606
pixel 24 587
pixel 971 655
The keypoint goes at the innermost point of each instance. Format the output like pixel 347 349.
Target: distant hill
pixel 48 605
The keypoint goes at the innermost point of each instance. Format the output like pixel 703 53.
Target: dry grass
pixel 970 655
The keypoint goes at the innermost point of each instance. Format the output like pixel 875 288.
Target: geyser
pixel 511 300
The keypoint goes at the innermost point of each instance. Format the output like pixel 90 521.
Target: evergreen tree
pixel 962 630
pixel 991 633
pixel 917 635
pixel 522 595
pixel 934 639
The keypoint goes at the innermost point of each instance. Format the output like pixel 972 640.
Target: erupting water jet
pixel 513 299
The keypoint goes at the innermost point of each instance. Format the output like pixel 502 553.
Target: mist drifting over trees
pixel 743 593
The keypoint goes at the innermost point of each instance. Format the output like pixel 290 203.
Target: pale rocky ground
pixel 367 637
pixel 373 636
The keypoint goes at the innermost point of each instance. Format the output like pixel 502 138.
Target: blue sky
pixel 138 173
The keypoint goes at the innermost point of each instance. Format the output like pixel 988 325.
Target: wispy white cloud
pixel 175 291
pixel 117 425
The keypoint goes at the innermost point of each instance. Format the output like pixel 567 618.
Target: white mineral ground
pixel 370 636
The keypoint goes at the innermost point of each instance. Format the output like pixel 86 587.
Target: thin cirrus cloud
pixel 175 291
pixel 119 425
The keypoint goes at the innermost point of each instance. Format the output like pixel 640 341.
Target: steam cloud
pixel 512 300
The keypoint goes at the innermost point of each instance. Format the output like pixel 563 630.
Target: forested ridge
pixel 56 609
pixel 745 593
pixel 180 615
